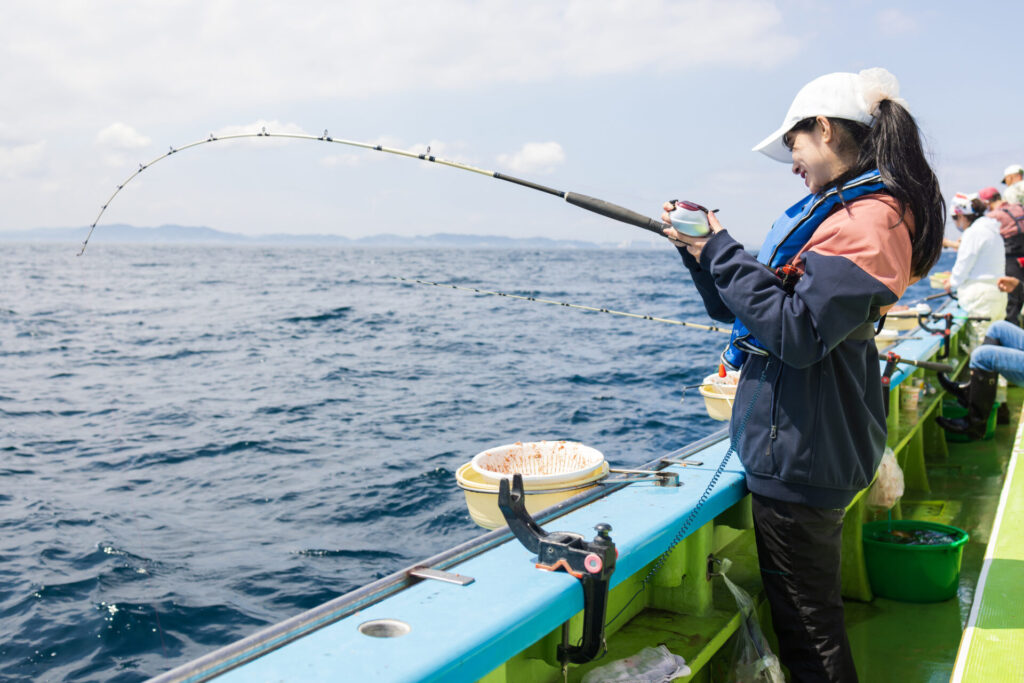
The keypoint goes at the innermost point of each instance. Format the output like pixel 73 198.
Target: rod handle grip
pixel 937 367
pixel 924 364
pixel 615 212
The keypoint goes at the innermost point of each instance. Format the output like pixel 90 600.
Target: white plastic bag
pixel 650 665
pixel 753 660
pixel 888 485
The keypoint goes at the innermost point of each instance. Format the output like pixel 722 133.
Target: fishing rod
pixel 923 364
pixel 640 316
pixel 927 313
pixel 598 206
pixel 930 298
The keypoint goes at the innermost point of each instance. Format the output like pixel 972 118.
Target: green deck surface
pixel 993 645
pixel 898 641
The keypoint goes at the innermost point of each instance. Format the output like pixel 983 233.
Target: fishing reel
pixel 591 562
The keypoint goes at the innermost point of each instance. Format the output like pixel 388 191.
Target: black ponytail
pixel 893 146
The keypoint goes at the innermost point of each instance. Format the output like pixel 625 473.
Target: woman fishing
pixel 809 415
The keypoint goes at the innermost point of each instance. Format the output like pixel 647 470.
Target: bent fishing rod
pixel 926 365
pixel 598 206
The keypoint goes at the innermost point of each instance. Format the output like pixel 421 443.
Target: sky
pixel 631 101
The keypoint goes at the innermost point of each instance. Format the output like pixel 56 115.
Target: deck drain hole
pixel 384 628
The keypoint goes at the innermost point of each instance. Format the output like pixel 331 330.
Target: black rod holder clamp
pixel 946 336
pixel 891 359
pixel 591 562
pixel 946 331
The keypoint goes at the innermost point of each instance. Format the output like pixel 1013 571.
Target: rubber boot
pixel 958 390
pixel 981 396
pixel 1003 414
pixel 954 389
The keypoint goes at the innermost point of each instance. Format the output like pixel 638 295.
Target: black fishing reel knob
pixel 603 530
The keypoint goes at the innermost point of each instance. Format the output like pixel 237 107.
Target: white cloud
pixel 230 53
pixel 18 160
pixel 180 70
pixel 263 126
pixel 121 136
pixel 451 151
pixel 357 157
pixel 534 157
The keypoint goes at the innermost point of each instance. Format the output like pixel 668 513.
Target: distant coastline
pixel 182 234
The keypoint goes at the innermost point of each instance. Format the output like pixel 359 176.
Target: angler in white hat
pixel 1013 178
pixel 809 399
pixel 980 263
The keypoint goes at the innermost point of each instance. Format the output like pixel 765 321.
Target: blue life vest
pixel 790 232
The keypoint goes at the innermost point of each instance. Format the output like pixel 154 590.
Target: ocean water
pixel 201 441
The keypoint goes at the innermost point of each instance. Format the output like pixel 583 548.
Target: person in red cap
pixel 1011 227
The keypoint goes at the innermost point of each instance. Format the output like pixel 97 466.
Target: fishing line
pixel 681 533
pixel 639 316
pixel 939 367
pixel 592 204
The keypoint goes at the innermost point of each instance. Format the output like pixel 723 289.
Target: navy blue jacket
pixel 817 431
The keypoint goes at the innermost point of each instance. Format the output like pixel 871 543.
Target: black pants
pixel 798 548
pixel 1014 299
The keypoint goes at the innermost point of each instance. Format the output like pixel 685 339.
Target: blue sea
pixel 201 441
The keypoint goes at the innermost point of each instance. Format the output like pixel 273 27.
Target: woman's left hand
pixel 694 245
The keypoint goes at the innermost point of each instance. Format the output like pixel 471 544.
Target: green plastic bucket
pixel 953 410
pixel 913 573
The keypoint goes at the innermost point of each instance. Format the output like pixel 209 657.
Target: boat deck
pixel 993 641
pixel 902 641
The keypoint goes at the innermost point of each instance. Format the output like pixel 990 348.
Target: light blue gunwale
pixel 461 633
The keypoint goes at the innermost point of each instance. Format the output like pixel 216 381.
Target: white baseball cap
pixel 838 95
pixel 1012 169
pixel 962 204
